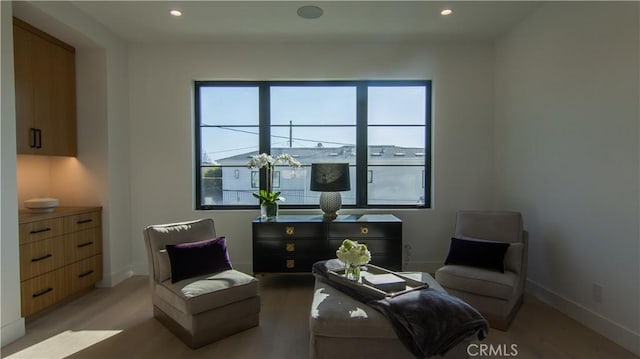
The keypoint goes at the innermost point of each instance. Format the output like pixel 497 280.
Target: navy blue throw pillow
pixel 481 254
pixel 192 259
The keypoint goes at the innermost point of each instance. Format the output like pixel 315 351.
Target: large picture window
pixel 380 128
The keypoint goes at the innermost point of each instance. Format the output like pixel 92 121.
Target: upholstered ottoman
pixel 342 327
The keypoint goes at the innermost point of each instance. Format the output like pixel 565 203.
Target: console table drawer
pixel 284 264
pixel 289 246
pixel 364 230
pixel 288 230
pixel 376 246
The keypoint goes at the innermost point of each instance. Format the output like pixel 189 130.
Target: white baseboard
pixel 12 331
pixel 617 333
pixel 112 279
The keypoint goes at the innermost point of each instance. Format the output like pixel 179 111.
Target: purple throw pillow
pixel 192 259
pixel 477 253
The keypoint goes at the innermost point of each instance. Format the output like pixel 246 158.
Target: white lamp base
pixel 330 203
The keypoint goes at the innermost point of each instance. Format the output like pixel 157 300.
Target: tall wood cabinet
pixel 45 92
pixel 60 255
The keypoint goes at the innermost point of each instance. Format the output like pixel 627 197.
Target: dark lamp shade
pixel 330 177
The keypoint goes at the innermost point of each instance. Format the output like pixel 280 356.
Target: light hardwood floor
pixel 117 323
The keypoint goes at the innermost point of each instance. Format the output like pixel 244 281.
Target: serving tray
pixel 371 269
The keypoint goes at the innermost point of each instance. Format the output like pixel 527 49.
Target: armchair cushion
pixel 477 253
pixel 478 281
pixel 202 293
pixel 192 259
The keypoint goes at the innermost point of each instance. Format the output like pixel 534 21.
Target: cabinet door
pixel 42 92
pixel 45 93
pixel 61 128
pixel 24 54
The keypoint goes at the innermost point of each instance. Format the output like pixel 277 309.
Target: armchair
pixel 198 307
pixel 496 295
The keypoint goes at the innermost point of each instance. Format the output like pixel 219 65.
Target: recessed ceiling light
pixel 310 12
pixel 446 12
pixel 175 12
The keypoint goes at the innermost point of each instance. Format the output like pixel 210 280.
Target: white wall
pixel 567 155
pixel 161 103
pixel 12 321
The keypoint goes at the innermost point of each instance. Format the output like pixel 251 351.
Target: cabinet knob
pixel 364 230
pixel 290 247
pixel 291 263
pixel 290 230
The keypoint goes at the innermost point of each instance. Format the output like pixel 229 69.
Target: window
pixel 381 128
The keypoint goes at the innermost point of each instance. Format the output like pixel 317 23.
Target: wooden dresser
pixel 60 255
pixel 292 243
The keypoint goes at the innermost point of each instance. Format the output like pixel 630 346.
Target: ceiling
pixel 150 22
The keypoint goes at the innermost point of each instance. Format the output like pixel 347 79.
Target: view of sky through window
pixel 314 123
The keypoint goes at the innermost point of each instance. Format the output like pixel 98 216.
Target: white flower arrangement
pixel 263 160
pixel 353 253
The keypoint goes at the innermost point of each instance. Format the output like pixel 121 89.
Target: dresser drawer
pixel 288 230
pixel 39 257
pixel 375 246
pixel 38 230
pixel 85 273
pixel 82 221
pixel 43 291
pixel 82 244
pixel 283 264
pixel 290 246
pixel 365 230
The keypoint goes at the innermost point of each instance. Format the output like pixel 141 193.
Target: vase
pixel 352 271
pixel 269 210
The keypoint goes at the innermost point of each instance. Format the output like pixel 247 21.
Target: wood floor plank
pixel 118 323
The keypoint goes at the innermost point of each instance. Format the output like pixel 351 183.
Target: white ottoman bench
pixel 342 327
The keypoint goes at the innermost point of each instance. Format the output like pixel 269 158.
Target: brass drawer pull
pixel 290 247
pixel 84 221
pixel 37 259
pixel 42 292
pixel 36 231
pixel 364 230
pixel 290 230
pixel 291 263
pixel 85 273
pixel 84 244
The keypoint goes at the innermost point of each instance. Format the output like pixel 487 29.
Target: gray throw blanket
pixel 427 321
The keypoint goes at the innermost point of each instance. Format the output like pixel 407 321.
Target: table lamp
pixel 330 179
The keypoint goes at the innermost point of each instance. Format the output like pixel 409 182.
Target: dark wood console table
pixel 292 243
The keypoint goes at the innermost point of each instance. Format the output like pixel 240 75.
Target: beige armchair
pixel 494 294
pixel 208 306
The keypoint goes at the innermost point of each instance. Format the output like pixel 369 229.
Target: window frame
pixel 361 145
